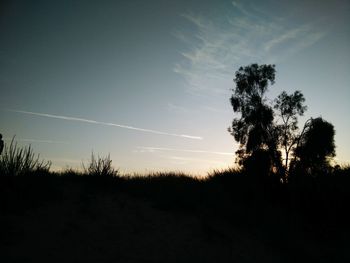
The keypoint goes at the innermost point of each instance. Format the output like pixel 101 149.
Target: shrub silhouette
pixel 17 160
pixel 100 166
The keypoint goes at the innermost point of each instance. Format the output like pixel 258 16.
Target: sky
pixel 149 82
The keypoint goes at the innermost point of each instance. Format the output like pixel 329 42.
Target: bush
pixel 17 160
pixel 100 166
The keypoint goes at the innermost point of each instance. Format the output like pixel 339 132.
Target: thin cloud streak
pixel 152 149
pixel 106 124
pixel 288 35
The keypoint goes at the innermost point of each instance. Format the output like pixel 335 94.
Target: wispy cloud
pixel 242 34
pixel 68 118
pixel 287 36
pixel 153 149
pixel 178 109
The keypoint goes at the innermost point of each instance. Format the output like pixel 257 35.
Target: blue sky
pixel 149 81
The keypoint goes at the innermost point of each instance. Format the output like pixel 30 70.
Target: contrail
pixel 106 124
pixel 183 150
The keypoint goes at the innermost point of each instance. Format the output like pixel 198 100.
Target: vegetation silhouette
pixel 98 214
pixel 21 160
pixel 268 133
pixel 75 216
pixel 100 166
pixel 288 108
pixel 315 148
pixel 1 144
pixel 254 129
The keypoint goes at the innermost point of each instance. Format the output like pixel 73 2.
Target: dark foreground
pixel 173 219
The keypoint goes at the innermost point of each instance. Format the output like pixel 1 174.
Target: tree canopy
pixel 316 146
pixel 288 108
pixel 252 129
pixel 268 131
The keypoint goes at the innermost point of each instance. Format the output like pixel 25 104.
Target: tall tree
pixel 288 108
pixel 261 139
pixel 252 130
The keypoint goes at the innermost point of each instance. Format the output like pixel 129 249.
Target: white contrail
pixel 183 150
pixel 107 124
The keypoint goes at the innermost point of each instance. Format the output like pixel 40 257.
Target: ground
pixel 80 220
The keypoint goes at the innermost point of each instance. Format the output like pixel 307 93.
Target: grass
pixel 100 166
pixel 100 215
pixel 21 161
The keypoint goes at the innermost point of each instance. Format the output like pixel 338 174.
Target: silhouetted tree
pixel 288 108
pixel 254 130
pixel 261 138
pixel 316 146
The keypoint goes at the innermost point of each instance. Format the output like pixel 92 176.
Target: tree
pixel 261 138
pixel 288 108
pixel 315 148
pixel 253 130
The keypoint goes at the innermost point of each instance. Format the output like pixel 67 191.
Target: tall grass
pixel 17 160
pixel 100 166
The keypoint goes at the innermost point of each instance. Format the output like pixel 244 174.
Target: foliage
pixel 262 138
pixel 253 130
pixel 288 108
pixel 100 166
pixel 316 146
pixel 17 160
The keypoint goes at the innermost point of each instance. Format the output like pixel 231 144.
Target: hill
pixel 172 218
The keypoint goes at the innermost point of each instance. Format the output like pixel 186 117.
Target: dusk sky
pixel 149 81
